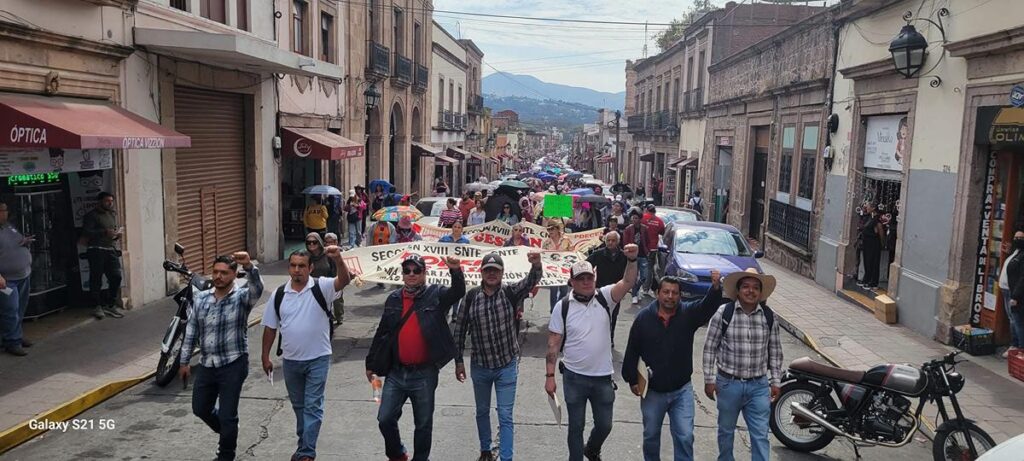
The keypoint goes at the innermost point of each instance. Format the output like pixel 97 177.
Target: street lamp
pixel 372 97
pixel 908 51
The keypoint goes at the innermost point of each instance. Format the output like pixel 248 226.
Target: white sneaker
pixel 636 300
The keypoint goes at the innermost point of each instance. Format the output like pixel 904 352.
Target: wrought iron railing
pixel 379 59
pixel 422 78
pixel 790 223
pixel 403 69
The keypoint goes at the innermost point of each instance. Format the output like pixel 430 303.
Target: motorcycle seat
pixel 805 364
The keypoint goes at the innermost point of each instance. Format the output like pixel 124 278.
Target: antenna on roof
pixel 646 39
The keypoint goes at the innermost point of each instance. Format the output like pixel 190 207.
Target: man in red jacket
pixel 655 229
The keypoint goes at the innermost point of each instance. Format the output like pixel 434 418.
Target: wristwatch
pixel 549 375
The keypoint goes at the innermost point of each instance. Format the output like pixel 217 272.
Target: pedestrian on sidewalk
pixel 315 216
pixel 489 314
pixel 300 310
pixel 411 345
pixel 556 242
pixel 872 236
pixel 655 230
pixel 743 361
pixel 353 209
pixel 636 234
pixel 610 265
pixel 1011 285
pixel 220 323
pixel 15 271
pixel 580 327
pixel 662 335
pixel 101 229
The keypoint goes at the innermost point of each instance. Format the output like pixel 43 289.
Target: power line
pixel 572 66
pixel 564 56
pixel 517 82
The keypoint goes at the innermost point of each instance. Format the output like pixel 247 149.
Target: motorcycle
pixel 174 338
pixel 817 402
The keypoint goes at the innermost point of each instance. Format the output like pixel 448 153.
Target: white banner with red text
pixel 496 233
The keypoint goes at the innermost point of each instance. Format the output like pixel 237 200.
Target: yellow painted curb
pixel 22 432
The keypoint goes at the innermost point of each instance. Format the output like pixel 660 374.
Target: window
pixel 180 5
pixel 808 162
pixel 786 159
pixel 675 98
pixel 327 50
pixel 371 11
pixel 299 22
pixel 459 107
pixel 451 95
pixel 689 72
pixel 440 94
pixel 213 10
pixel 657 105
pixel 416 43
pixel 650 100
pixel 242 10
pixel 399 33
pixel 700 71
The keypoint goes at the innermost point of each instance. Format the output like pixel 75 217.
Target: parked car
pixel 440 205
pixel 699 247
pixel 427 205
pixel 1007 451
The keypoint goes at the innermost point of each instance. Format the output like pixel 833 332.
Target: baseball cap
pixel 581 268
pixel 492 260
pixel 415 259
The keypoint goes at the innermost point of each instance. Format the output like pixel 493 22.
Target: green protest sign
pixel 557 206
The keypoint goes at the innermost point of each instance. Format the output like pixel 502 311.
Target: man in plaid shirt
pixel 489 316
pixel 219 321
pixel 743 366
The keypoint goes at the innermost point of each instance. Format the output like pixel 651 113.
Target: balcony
pixel 378 62
pixel 422 79
pixel 635 124
pixel 693 100
pixel 790 223
pixel 446 120
pixel 475 105
pixel 402 76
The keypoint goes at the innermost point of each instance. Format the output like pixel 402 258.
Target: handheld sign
pixel 557 206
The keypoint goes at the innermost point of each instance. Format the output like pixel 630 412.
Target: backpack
pixel 697 204
pixel 320 299
pixel 565 315
pixel 730 309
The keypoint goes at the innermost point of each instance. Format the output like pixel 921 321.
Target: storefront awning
pixel 235 51
pixel 460 154
pixel 319 144
pixel 647 157
pixel 684 163
pixel 425 150
pixel 445 158
pixel 605 159
pixel 70 123
pixel 479 156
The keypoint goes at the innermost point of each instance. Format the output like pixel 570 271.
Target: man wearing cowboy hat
pixel 743 361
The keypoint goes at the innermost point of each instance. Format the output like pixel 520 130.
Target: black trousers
pixel 872 261
pixel 104 262
pixel 224 384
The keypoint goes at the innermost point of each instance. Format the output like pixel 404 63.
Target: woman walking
pixel 556 241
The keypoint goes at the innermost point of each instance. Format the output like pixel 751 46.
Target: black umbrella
pixel 598 199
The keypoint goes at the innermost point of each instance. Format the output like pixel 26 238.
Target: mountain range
pixel 537 113
pixel 528 86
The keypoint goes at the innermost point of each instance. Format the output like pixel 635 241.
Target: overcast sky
pixel 586 55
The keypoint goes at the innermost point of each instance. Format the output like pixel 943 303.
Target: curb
pixel 23 432
pixel 926 428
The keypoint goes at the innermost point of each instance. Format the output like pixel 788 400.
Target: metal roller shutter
pixel 210 175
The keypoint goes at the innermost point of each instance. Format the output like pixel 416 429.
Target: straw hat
pixel 731 283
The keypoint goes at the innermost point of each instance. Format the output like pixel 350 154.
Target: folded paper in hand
pixel 556 408
pixel 643 376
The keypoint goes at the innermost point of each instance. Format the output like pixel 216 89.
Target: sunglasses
pixel 312 242
pixel 411 270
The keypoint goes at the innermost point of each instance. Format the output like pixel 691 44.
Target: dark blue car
pixel 695 248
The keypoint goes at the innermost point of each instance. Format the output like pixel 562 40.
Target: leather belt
pixel 737 378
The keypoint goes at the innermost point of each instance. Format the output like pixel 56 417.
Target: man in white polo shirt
pixel 580 326
pixel 301 310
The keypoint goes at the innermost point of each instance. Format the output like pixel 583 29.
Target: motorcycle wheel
pixel 167 366
pixel 789 432
pixel 950 444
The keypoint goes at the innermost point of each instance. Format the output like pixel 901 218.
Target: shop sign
pixel 1017 96
pixel 302 147
pixel 978 297
pixel 33 179
pixel 886 142
pixel 35 161
pixel 724 141
pixel 28 135
pixel 142 143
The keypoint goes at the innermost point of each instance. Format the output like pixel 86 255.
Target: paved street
pixel 154 423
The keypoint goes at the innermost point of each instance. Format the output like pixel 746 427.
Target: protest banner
pixel 383 263
pixel 496 233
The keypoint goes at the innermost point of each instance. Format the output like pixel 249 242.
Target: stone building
pixel 766 110
pixel 449 122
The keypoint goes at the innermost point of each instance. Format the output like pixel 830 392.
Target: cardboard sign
pixel 557 206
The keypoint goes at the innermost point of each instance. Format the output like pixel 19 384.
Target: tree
pixel 675 30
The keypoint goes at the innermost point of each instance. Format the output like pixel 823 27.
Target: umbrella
pixel 394 213
pixel 477 186
pixel 321 189
pixel 593 199
pixel 581 191
pixel 575 175
pixel 514 184
pixel 523 175
pixel 388 187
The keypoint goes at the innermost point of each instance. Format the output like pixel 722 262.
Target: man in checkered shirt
pixel 743 367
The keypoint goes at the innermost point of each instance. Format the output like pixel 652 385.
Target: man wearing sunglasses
pixel 662 335
pixel 413 333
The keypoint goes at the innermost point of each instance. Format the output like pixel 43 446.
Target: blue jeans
pixel 504 382
pixel 353 234
pixel 305 380
pixel 753 398
pixel 12 311
pixel 557 293
pixel 678 404
pixel 401 384
pixel 577 390
pixel 215 397
pixel 642 268
pixel 1016 316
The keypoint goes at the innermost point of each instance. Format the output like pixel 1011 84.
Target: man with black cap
pixel 489 315
pixel 580 327
pixel 412 343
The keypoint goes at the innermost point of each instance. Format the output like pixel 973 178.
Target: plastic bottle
pixel 377 384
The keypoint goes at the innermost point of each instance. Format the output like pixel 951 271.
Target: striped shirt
pixel 221 326
pixel 748 349
pixel 449 217
pixel 490 322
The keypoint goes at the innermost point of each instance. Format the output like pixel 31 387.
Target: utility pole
pixel 615 171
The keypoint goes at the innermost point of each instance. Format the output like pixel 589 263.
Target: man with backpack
pixel 489 315
pixel 580 327
pixel 743 361
pixel 696 203
pixel 662 335
pixel 301 312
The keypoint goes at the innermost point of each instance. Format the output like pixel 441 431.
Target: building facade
pixel 448 117
pixel 477 163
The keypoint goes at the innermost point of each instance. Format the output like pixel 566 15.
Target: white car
pixel 1009 450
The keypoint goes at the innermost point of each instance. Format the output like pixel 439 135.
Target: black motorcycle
pixel 174 338
pixel 818 402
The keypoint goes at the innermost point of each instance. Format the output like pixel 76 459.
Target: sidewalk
pixel 68 365
pixel 853 338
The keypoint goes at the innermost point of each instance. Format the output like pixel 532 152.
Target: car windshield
pixel 677 216
pixel 710 241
